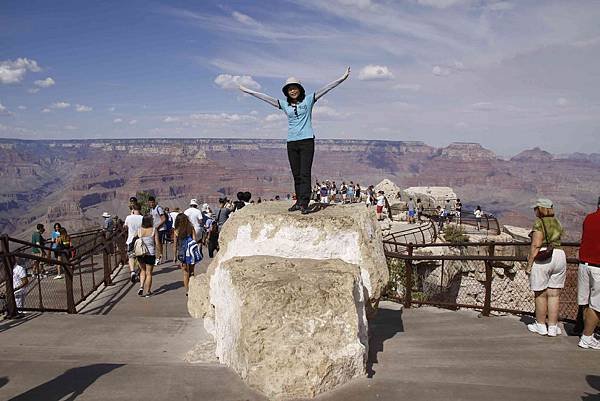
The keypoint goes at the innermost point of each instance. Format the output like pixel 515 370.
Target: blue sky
pixel 507 74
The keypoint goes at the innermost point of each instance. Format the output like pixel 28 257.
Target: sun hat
pixel 194 202
pixel 291 81
pixel 105 214
pixel 543 202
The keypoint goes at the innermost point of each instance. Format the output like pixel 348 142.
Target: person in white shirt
pixel 20 281
pixel 195 216
pixel 380 204
pixel 173 216
pixel 159 220
pixel 478 214
pixel 133 223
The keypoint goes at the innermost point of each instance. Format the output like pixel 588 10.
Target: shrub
pixel 455 234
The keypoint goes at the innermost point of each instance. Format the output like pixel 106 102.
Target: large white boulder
pixel 346 232
pixel 431 196
pixel 290 327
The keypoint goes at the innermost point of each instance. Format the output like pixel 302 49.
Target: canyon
pixel 74 181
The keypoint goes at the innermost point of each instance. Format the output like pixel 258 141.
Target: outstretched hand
pixel 347 73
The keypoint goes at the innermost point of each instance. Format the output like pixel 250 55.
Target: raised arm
pixel 331 85
pixel 269 99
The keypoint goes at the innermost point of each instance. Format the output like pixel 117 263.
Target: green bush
pixel 455 234
pixel 397 274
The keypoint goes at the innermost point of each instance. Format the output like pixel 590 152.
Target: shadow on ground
pixel 69 385
pixel 168 287
pixel 594 382
pixel 387 323
pixel 14 322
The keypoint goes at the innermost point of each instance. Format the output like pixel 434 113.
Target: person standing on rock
pixel 301 138
pixel 547 267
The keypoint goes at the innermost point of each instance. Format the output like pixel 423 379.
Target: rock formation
pixel 287 296
pixel 431 196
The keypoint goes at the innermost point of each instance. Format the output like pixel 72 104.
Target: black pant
pixel 300 155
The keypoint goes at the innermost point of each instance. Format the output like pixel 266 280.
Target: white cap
pixel 194 202
pixel 291 81
pixel 205 207
pixel 105 214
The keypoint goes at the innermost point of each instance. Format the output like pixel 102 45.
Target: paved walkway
pixel 123 347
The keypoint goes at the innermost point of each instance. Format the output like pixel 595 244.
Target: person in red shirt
pixel 588 289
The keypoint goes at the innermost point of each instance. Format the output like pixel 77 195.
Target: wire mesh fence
pixel 488 276
pixel 58 280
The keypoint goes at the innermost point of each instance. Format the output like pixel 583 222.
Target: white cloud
pixel 441 3
pixel 2 108
pixel 82 108
pixel 13 71
pixel 70 127
pixel 375 72
pixel 274 117
pixel 45 83
pixel 501 6
pixel 60 105
pixel 326 111
pixel 227 81
pixel 245 19
pixel 440 71
pixel 33 90
pixel 561 102
pixel 132 122
pixel 170 119
pixel 117 120
pixel 46 110
pixel 221 117
pixel 111 109
pixel 22 108
pixel 483 106
pixel 461 125
pixel 409 87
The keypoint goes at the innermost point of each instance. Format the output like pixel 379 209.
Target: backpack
pixel 189 252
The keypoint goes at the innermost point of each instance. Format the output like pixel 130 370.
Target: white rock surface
pixel 432 196
pixel 290 327
pixel 346 232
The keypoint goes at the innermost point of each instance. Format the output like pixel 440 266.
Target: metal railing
pixel 423 234
pixel 487 221
pixel 480 275
pixel 88 264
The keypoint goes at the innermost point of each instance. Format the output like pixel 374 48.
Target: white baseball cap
pixel 105 214
pixel 194 202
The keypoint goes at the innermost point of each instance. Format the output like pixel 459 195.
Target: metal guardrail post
pixel 11 303
pixel 69 286
pixel 408 282
pixel 487 303
pixel 106 262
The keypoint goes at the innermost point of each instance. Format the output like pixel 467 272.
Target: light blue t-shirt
pixel 299 118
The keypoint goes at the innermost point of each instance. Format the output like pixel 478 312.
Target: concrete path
pixel 417 354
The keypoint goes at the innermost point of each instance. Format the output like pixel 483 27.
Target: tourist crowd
pixel 197 227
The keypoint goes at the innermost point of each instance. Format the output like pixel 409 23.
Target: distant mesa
pixel 535 154
pixel 466 151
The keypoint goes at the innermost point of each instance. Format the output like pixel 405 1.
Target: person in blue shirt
pixel 301 138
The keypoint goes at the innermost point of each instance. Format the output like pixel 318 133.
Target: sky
pixel 508 74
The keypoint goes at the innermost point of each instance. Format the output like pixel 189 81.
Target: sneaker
pixel 148 294
pixel 294 207
pixel 133 277
pixel 554 331
pixel 538 328
pixel 58 277
pixel 304 210
pixel 141 291
pixel 589 342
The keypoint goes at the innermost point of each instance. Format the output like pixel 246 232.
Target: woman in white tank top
pixel 149 236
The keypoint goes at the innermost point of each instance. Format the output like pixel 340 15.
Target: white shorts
pixel 324 199
pixel 550 274
pixel 588 286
